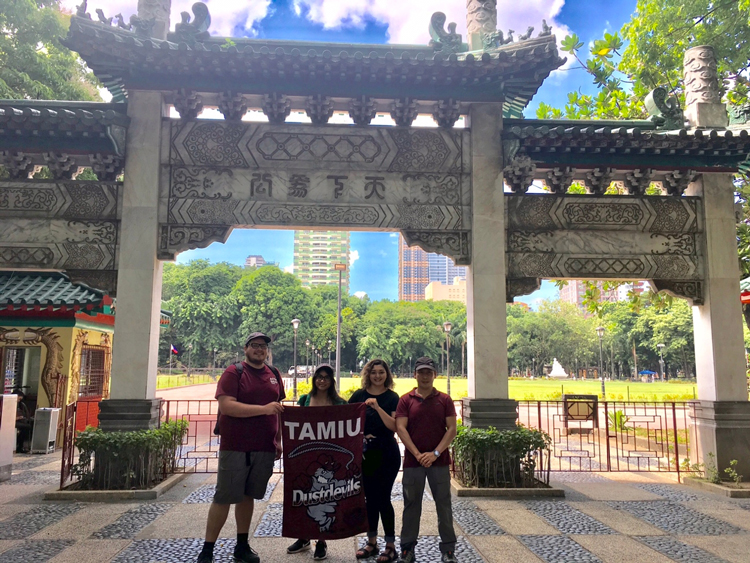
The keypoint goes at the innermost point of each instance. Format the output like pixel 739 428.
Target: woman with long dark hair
pixel 382 458
pixel 322 394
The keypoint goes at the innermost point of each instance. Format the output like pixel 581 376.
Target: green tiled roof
pixel 50 291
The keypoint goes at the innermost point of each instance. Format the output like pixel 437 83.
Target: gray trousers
pixel 439 478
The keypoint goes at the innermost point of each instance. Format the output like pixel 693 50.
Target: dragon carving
pixel 82 338
pixel 52 379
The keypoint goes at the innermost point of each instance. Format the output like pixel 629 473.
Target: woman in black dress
pixel 382 458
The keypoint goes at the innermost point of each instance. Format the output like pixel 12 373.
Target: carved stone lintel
pixel 61 166
pixel 174 239
pixel 515 287
pixel 188 103
pixel 445 41
pixel 195 31
pixel 277 107
pixel 456 245
pixel 675 183
pixel 637 181
pixel 701 76
pixel 107 168
pixel 233 106
pixel 404 111
pixel 319 109
pixel 103 280
pixel 481 16
pixel 362 110
pixel 598 180
pixel 665 109
pixel 519 174
pixel 558 179
pixel 691 290
pixel 18 165
pixel 446 113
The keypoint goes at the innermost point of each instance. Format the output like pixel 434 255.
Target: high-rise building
pixel 417 268
pixel 316 253
pixel 254 261
pixel 438 291
pixel 575 291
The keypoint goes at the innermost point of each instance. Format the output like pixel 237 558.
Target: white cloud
pixel 360 294
pixel 393 235
pixel 289 269
pixel 353 257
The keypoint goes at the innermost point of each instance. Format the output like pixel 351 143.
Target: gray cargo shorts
pixel 242 474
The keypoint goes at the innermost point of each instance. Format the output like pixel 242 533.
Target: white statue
pixel 557 371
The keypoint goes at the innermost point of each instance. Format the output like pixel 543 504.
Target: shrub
pixel 347 394
pixel 127 460
pixel 492 458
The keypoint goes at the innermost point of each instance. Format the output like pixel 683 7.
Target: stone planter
pixel 725 489
pixel 109 496
pixel 509 493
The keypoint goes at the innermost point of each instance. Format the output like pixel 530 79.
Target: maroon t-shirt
pixel 254 387
pixel 426 425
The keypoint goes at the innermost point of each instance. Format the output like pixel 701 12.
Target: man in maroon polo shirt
pixel 250 405
pixel 426 424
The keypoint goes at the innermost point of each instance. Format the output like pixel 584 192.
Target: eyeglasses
pixel 323 376
pixel 256 346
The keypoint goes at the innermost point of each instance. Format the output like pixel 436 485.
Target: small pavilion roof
pixel 48 291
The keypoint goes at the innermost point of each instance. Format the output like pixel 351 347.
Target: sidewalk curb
pixel 109 496
pixel 703 485
pixel 506 493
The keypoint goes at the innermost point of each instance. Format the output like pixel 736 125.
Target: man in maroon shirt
pixel 426 424
pixel 250 405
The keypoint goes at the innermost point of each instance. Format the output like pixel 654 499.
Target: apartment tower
pixel 316 253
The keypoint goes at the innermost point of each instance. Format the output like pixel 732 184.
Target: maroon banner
pixel 323 493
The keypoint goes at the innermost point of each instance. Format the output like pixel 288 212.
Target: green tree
pixel 33 63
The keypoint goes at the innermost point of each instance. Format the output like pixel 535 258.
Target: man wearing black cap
pixel 250 405
pixel 426 424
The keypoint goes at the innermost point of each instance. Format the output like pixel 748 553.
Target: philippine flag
pixel 174 350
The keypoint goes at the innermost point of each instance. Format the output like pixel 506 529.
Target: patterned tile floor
pixel 605 518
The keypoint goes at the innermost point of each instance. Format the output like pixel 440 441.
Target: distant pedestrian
pixel 250 405
pixel 382 458
pixel 322 394
pixel 426 424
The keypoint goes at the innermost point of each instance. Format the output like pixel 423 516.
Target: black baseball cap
pixel 255 335
pixel 425 362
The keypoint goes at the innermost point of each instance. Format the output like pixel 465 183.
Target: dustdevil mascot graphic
pixel 323 494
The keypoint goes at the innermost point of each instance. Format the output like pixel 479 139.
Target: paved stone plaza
pixel 604 518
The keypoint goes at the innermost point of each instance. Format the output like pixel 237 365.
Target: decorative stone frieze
pixel 404 111
pixel 363 110
pixel 319 109
pixel 516 287
pixel 675 183
pixel 106 167
pixel 277 107
pixel 61 166
pixel 519 174
pixel 701 76
pixel 232 105
pixel 176 238
pixel 637 181
pixel 18 165
pixel 598 180
pixel 691 290
pixel 456 244
pixel 446 113
pixel 188 104
pixel 559 179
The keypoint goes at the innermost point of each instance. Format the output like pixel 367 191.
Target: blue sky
pixel 374 269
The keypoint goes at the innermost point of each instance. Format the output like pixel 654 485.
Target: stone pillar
pixel 721 424
pixel 481 18
pixel 488 403
pixel 157 10
pixel 134 356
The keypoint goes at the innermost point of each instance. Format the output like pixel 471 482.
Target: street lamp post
pixel 307 360
pixel 661 359
pixel 213 369
pixel 329 353
pixel 190 349
pixel 447 326
pixel 340 268
pixel 600 332
pixel 295 326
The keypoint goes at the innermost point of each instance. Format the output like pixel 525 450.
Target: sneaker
pixel 206 557
pixel 245 554
pixel 448 557
pixel 298 546
pixel 407 557
pixel 321 551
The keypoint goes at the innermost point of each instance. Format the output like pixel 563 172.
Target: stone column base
pixel 5 472
pixel 721 428
pixel 117 415
pixel 483 413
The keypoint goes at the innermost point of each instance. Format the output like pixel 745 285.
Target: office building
pixel 438 291
pixel 575 291
pixel 316 253
pixel 417 268
pixel 254 261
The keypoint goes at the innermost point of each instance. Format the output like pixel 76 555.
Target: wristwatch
pixel 436 453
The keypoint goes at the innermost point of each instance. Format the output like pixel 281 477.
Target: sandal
pixel 388 555
pixel 369 550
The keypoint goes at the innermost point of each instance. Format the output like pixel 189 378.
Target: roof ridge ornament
pixel 81 10
pixel 195 31
pixel 495 39
pixel 445 41
pixel 664 109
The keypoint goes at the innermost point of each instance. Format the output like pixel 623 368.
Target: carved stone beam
pixel 277 107
pixel 404 111
pixel 104 280
pixel 519 174
pixel 188 103
pixel 61 166
pixel 174 239
pixel 692 290
pixel 515 287
pixel 637 181
pixel 598 180
pixel 107 168
pixel 675 183
pixel 18 165
pixel 319 109
pixel 456 244
pixel 233 106
pixel 362 110
pixel 559 179
pixel 446 113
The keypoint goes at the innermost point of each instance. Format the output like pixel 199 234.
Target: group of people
pixel 424 419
